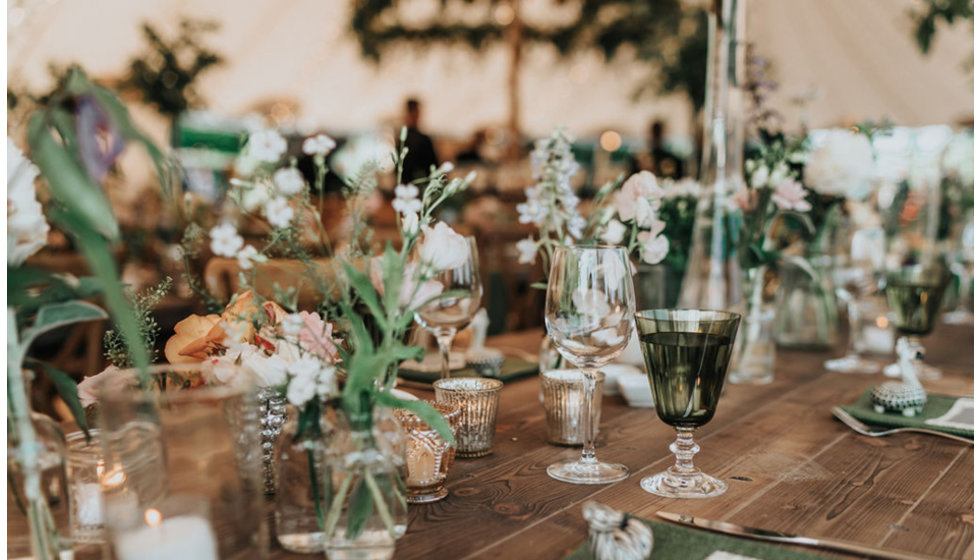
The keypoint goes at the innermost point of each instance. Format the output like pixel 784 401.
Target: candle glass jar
pixel 182 467
pixel 428 457
pixel 477 399
pixel 85 471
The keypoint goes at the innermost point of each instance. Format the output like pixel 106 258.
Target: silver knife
pixel 789 538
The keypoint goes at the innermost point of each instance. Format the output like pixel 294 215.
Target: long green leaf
pixel 70 185
pixel 56 315
pixel 424 410
pixel 366 292
pixel 68 391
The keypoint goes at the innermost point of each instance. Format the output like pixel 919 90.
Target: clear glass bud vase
pixel 300 501
pixel 755 348
pixel 807 316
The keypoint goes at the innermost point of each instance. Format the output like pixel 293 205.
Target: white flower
pixel 289 181
pixel 27 230
pixel 279 212
pixel 842 166
pixel 446 167
pixel 321 144
pixel 223 370
pixel 443 249
pixel 254 197
pixel 407 200
pixel 528 250
pixel 790 195
pixel 292 324
pixel 266 371
pixel 309 377
pixel 247 256
pixel 760 177
pixel 639 199
pixel 654 247
pixel 225 241
pixel 266 146
pixel 614 233
pixel 410 224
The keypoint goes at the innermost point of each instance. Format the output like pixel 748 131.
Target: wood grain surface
pixel 789 464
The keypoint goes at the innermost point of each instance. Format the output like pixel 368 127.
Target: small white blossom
pixel 27 229
pixel 790 195
pixel 225 241
pixel 279 212
pixel 410 224
pixel 614 233
pixel 289 181
pixel 446 167
pixel 443 249
pixel 309 377
pixel 654 247
pixel 639 199
pixel 266 146
pixel 528 250
pixel 321 144
pixel 292 324
pixel 247 256
pixel 407 200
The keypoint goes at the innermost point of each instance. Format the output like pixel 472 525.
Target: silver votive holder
pixel 477 399
pixel 564 391
pixel 86 469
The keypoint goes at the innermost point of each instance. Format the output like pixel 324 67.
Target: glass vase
pixel 807 316
pixel 712 279
pixel 366 510
pixel 755 348
pixel 300 467
pixel 272 417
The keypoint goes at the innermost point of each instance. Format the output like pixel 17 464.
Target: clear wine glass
pixel 852 282
pixel 687 352
pixel 961 264
pixel 915 296
pixel 588 315
pixel 459 302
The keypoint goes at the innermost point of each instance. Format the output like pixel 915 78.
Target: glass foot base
pixel 427 498
pixel 851 364
pixel 923 371
pixel 958 317
pixel 579 472
pixel 673 486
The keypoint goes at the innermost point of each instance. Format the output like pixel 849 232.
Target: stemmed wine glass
pixel 852 282
pixel 961 264
pixel 915 295
pixel 588 314
pixel 687 353
pixel 459 302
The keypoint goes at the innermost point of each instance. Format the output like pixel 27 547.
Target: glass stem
pixel 684 449
pixel 853 323
pixel 445 338
pixel 590 431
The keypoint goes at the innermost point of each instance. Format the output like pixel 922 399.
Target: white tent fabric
pixel 857 54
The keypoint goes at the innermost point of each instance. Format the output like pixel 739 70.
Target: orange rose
pixel 191 342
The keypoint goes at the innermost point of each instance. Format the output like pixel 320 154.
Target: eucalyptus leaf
pixel 68 391
pixel 56 315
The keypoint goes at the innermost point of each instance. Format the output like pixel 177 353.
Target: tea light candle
pixel 186 537
pixel 421 461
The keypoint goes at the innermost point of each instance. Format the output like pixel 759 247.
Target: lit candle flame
pixel 153 517
pixel 113 478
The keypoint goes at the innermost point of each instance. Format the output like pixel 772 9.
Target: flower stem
pixel 314 480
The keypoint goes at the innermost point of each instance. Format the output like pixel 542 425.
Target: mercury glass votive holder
pixel 477 399
pixel 564 391
pixel 86 468
pixel 428 457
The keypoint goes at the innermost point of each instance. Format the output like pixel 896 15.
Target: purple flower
pixel 99 141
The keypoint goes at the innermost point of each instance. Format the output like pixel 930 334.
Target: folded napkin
pixel 942 413
pixel 511 370
pixel 684 543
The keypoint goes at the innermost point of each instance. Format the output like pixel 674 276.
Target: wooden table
pixel 789 465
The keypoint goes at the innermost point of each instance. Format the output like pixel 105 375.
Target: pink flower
pixel 425 291
pixel 639 199
pixel 109 379
pixel 790 195
pixel 316 337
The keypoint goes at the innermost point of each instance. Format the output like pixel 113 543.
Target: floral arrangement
pixel 630 218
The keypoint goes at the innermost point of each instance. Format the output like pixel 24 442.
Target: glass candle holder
pixel 564 390
pixel 477 399
pixel 428 457
pixel 182 468
pixel 86 467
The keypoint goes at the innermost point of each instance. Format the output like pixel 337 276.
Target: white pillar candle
pixel 184 537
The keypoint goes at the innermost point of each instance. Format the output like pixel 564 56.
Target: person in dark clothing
pixel 665 164
pixel 421 152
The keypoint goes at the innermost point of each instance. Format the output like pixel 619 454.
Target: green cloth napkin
pixel 684 543
pixel 511 370
pixel 936 406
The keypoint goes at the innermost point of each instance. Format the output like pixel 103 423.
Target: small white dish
pixel 613 373
pixel 635 388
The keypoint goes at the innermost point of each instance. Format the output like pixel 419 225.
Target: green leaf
pixel 70 185
pixel 392 272
pixel 366 292
pixel 424 410
pixel 360 509
pixel 540 285
pixel 68 391
pixel 56 315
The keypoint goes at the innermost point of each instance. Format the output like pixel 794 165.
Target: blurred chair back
pixel 307 282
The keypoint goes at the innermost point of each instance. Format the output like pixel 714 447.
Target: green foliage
pixel 143 303
pixel 56 315
pixel 166 72
pixel 932 11
pixel 68 391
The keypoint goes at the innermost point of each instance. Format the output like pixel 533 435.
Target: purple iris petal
pixel 99 142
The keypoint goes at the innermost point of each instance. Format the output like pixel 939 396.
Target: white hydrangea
pixel 27 229
pixel 225 241
pixel 842 166
pixel 266 146
pixel 321 144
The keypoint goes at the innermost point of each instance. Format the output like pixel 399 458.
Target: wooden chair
pixel 273 278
